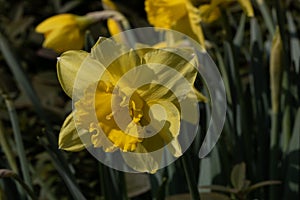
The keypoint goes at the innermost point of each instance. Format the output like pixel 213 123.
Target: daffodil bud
pixel 247 7
pixel 64 31
pixel 276 70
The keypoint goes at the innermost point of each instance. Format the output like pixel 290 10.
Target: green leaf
pixel 15 66
pixel 266 15
pixel 286 129
pixel 65 174
pixel 238 38
pixel 210 167
pixel 161 193
pixel 294 42
pixel 291 189
pixel 238 176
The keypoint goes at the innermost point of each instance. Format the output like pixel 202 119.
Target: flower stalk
pixel 18 139
pixel 189 173
pixel 4 173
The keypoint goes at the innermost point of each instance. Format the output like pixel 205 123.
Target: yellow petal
pixel 247 7
pixel 108 4
pixel 116 58
pixel 64 39
pixel 103 97
pixel 209 15
pixel 117 137
pixel 172 71
pixel 143 161
pixel 150 152
pixel 69 139
pixel 170 129
pixel 68 65
pixel 105 116
pixel 123 64
pixel 56 22
pixel 164 14
pixel 113 27
pixel 180 60
pixel 194 18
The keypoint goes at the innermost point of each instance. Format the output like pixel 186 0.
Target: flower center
pixel 135 108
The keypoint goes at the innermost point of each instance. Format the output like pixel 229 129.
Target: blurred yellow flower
pixel 209 15
pixel 112 25
pixel 179 15
pixel 164 13
pixel 64 31
pixel 149 114
pixel 182 16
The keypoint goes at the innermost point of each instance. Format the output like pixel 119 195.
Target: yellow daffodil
pixel 114 27
pixel 128 100
pixel 179 15
pixel 209 15
pixel 64 31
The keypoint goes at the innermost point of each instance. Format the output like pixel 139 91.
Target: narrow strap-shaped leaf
pixel 18 139
pixel 294 42
pixel 292 163
pixel 239 36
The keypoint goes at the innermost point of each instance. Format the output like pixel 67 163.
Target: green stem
pixel 26 187
pixel 16 68
pixel 190 176
pixel 103 182
pixel 69 181
pixel 267 16
pixel 7 149
pixel 9 155
pixel 122 185
pixel 6 173
pixel 274 157
pixel 18 138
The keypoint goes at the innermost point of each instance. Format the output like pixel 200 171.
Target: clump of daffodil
pixel 126 100
pixel 179 15
pixel 64 31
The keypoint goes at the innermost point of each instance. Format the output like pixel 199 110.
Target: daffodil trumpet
pixel 65 32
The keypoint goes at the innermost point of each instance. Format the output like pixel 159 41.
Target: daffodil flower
pixel 129 100
pixel 64 31
pixel 182 16
pixel 179 15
